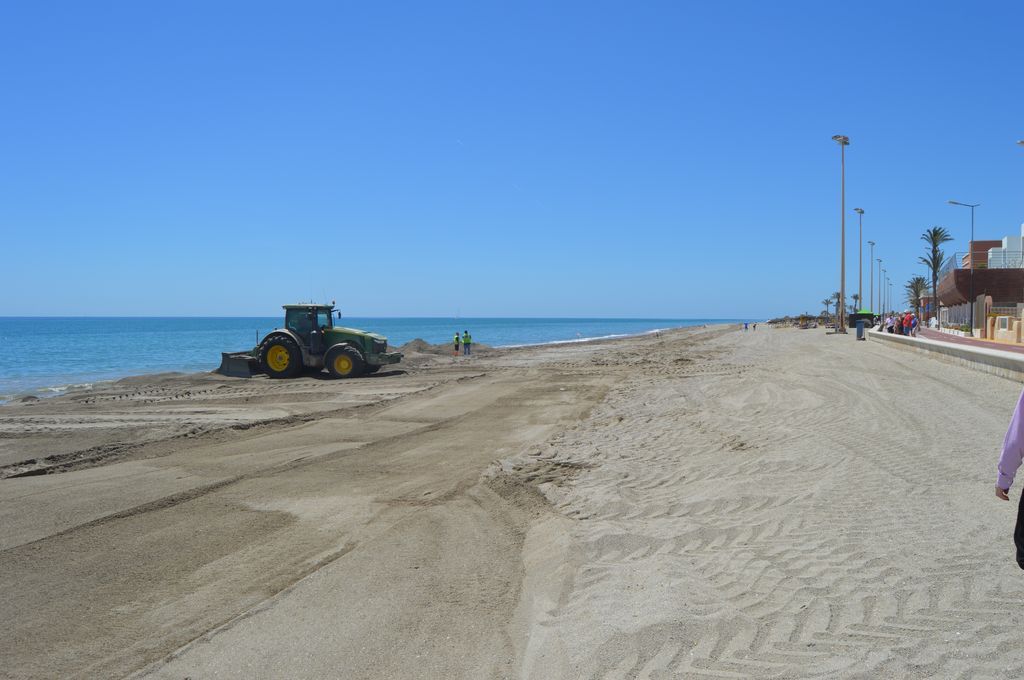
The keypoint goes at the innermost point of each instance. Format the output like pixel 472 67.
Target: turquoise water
pixel 47 355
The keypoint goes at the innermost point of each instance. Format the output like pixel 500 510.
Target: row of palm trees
pixel 835 299
pixel 916 287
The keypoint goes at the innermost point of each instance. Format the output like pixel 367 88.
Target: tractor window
pixel 298 321
pixel 323 319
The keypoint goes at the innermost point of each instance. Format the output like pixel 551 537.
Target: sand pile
pixel 421 346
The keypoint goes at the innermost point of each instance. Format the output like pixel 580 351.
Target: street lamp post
pixel 871 277
pixel 843 141
pixel 970 250
pixel 881 307
pixel 860 255
pixel 882 278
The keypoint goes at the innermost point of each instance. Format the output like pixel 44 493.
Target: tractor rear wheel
pixel 280 357
pixel 344 362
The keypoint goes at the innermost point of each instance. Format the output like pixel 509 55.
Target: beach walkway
pixel 778 503
pixel 970 342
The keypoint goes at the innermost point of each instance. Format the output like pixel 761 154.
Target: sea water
pixel 48 355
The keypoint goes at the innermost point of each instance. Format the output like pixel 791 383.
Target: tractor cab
pixel 313 325
pixel 304 319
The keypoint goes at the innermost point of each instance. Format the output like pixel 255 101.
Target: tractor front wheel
pixel 344 362
pixel 280 357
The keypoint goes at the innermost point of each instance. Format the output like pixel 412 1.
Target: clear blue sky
pixel 492 159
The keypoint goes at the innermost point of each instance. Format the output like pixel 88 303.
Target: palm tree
pixel 826 303
pixel 856 303
pixel 934 238
pixel 916 287
pixel 837 298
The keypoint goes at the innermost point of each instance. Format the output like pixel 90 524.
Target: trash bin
pixel 860 329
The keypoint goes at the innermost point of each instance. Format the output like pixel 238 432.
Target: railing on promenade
pixel 954 261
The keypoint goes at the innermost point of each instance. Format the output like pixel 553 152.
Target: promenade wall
pixel 1004 364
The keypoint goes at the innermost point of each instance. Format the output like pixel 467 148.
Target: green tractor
pixel 310 340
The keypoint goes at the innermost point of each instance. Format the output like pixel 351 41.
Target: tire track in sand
pixel 758 513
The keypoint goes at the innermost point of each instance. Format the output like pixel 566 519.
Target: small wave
pixel 63 389
pixel 47 392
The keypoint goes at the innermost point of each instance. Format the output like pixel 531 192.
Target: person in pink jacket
pixel 1009 463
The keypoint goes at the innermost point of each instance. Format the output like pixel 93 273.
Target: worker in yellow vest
pixel 456 343
pixel 467 343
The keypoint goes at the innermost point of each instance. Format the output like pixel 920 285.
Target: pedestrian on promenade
pixel 467 343
pixel 906 324
pixel 456 343
pixel 1009 462
pixel 913 325
pixel 888 323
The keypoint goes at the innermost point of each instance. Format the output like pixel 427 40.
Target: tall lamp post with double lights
pixel 881 307
pixel 871 277
pixel 883 277
pixel 970 250
pixel 860 254
pixel 843 141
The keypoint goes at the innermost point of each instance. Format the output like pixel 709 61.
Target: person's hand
pixel 1001 493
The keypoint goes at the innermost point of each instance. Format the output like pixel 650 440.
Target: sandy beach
pixel 705 503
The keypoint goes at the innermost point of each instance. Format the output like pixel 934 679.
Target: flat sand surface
pixel 706 503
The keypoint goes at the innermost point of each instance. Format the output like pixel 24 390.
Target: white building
pixel 1010 255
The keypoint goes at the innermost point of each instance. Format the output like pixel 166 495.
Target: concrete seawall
pixel 1004 364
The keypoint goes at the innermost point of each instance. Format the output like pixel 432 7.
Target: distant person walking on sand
pixel 467 343
pixel 1009 462
pixel 456 343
